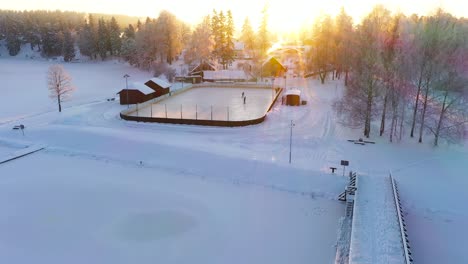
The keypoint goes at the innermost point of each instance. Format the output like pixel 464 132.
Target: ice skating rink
pixel 214 103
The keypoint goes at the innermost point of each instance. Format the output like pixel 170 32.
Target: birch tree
pixel 60 84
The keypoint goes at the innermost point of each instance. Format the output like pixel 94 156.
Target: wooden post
pixel 180 111
pixel 211 112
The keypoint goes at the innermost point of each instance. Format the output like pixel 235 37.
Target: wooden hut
pixel 138 93
pixel 272 68
pixel 293 97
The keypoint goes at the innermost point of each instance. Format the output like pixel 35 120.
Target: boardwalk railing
pixel 401 221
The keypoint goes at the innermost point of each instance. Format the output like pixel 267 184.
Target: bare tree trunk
pixel 423 117
pixel 59 103
pixel 439 123
pixel 394 123
pixel 416 105
pixel 402 119
pixel 382 122
pixel 346 78
pixel 367 126
pixel 322 77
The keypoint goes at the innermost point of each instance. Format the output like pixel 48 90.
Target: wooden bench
pixel 333 169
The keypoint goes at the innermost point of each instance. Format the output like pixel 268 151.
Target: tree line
pixel 408 74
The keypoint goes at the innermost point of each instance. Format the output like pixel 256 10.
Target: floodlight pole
pixel 290 140
pixel 272 88
pixel 126 85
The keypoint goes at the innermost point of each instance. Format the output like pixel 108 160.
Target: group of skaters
pixel 243 96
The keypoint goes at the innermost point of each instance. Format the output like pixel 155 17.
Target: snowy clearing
pixel 231 191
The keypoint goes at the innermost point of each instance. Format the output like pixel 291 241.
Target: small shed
pixel 159 86
pixel 137 94
pixel 293 97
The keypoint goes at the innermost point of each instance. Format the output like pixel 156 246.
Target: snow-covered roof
pixel 225 75
pixel 239 45
pixel 293 92
pixel 142 88
pixel 272 59
pixel 160 82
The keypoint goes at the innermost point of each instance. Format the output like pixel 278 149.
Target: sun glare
pixel 283 16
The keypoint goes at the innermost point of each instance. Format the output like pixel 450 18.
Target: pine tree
pixel 68 49
pixel 114 33
pixel 52 41
pixel 248 37
pixel 129 32
pixel 228 51
pixel 102 39
pixel 263 34
pixel 12 37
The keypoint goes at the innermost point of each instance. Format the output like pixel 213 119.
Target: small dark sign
pixel 344 163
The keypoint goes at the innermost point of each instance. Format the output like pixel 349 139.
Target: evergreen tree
pixel 52 41
pixel 264 41
pixel 129 51
pixel 228 51
pixel 248 38
pixel 68 49
pixel 102 39
pixel 114 35
pixel 13 42
pixel 85 41
pixel 129 32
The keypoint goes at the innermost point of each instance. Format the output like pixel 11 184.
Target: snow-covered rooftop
pixel 239 45
pixel 293 92
pixel 160 82
pixel 142 88
pixel 225 74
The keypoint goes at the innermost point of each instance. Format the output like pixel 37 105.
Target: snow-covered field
pixel 109 191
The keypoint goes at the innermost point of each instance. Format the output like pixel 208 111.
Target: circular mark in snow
pixel 144 227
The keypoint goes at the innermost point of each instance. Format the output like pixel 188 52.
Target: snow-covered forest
pixel 408 73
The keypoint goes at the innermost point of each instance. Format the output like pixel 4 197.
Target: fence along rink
pixel 238 114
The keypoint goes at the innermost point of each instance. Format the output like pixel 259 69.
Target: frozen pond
pixel 215 103
pixel 109 212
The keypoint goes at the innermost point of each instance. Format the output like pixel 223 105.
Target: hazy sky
pixel 283 15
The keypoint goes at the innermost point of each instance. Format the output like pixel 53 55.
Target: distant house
pixel 239 48
pixel 272 68
pixel 139 92
pixel 225 76
pixel 200 68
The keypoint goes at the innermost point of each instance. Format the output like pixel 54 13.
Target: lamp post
pixel 272 88
pixel 126 85
pixel 290 140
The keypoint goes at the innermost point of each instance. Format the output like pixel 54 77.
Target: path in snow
pixel 375 235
